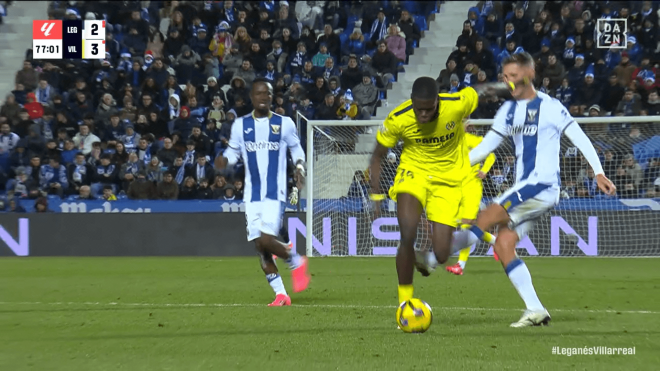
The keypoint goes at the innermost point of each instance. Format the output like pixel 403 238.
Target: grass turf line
pixel 167 316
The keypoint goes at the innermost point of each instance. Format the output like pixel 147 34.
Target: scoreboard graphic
pixel 68 39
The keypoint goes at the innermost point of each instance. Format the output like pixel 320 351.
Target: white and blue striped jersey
pixel 262 143
pixel 536 127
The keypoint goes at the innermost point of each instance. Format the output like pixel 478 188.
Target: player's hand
pixel 605 185
pixel 293 196
pixel 481 175
pixel 300 176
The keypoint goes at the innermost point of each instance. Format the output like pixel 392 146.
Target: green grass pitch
pixel 210 314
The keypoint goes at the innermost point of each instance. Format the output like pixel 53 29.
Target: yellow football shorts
pixel 440 200
pixel 471 193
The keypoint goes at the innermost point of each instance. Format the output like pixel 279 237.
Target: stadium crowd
pixel 589 81
pixel 147 121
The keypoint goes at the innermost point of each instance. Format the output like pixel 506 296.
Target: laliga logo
pixel 47 27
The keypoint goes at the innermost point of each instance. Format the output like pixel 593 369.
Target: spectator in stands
pixel 27 76
pixel 378 30
pixel 79 174
pixel 469 75
pixel 8 139
pixel 246 73
pixel 410 29
pixel 53 178
pixel 351 75
pixel 44 92
pixel 120 156
pixel 285 21
pixel 105 174
pixel 327 110
pixel 633 170
pixel 189 189
pixel 203 191
pixel 84 194
pixel 172 46
pixel 467 36
pixel 384 63
pixel 396 43
pixel 202 169
pixel 229 193
pixel 23 186
pixel 554 70
pixel 652 105
pixel 624 70
pixel 10 109
pixel 460 55
pixel 483 58
pixel 510 33
pixel 347 109
pixel 167 189
pixel 630 105
pixel 319 59
pixel 565 94
pixel 141 188
pixel 41 205
pixel 366 96
pixel 84 139
pixel 218 186
pixel 238 189
pixel 167 154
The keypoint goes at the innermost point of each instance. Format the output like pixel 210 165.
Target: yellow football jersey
pixel 471 141
pixel 436 147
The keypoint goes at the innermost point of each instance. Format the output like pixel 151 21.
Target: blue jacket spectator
pixel 200 42
pixel 297 60
pixel 184 123
pixel 569 53
pixel 134 42
pixel 612 58
pixel 271 73
pixel 53 177
pixel 565 94
pixel 475 19
pixel 635 51
pixel 355 44
pixel 576 73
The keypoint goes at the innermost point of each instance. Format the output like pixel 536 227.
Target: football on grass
pixel 414 316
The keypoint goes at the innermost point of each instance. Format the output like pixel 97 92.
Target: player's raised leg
pixel 409 211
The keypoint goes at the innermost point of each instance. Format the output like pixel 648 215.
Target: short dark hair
pixel 522 59
pixel 108 187
pixel 424 88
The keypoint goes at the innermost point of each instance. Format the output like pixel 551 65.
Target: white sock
pixel 462 264
pixel 522 281
pixel 295 260
pixel 462 239
pixel 431 260
pixel 276 283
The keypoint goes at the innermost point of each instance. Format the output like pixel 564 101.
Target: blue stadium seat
pixel 344 39
pixel 420 21
pixel 411 6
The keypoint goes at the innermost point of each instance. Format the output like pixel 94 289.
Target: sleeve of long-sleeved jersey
pixel 574 132
pixel 292 140
pixel 233 151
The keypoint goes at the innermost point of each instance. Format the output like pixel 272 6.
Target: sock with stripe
pixel 276 283
pixel 522 281
pixel 294 260
pixel 405 293
pixel 463 256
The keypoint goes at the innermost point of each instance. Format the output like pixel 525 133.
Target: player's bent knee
pixel 507 239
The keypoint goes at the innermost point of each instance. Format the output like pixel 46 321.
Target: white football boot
pixel 533 318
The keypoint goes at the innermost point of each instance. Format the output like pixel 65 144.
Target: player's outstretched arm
pixel 493 89
pixel 574 132
pixel 374 168
pixel 233 152
pixel 491 141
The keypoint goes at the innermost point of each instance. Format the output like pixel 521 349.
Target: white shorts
pixel 263 217
pixel 526 202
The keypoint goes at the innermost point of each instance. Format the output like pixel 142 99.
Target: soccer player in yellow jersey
pixel 432 168
pixel 472 189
